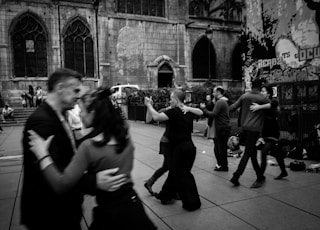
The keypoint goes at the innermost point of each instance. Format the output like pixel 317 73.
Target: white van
pixel 119 91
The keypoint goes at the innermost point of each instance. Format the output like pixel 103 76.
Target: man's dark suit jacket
pixel 41 207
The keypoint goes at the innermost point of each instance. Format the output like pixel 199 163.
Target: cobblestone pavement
pixel 292 203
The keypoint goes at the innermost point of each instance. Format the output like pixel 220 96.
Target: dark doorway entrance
pixel 237 63
pixel 165 76
pixel 203 59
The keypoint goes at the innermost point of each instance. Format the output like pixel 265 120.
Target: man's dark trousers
pixel 250 152
pixel 220 145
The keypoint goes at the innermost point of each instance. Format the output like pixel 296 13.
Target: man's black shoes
pixel 221 169
pixel 282 175
pixel 163 200
pixel 149 188
pixel 258 183
pixel 234 181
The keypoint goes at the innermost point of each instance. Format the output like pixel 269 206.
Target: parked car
pixel 120 91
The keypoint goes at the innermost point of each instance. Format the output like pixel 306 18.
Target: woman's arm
pixel 62 182
pixel 195 111
pixel 235 105
pixel 154 114
pixel 149 116
pixel 254 106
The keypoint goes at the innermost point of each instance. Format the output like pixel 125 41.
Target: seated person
pixel 7 112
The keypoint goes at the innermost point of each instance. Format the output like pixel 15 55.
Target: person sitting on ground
pixel 7 112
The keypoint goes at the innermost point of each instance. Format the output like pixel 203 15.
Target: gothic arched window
pixel 78 48
pixel 195 9
pixel 29 43
pixel 142 7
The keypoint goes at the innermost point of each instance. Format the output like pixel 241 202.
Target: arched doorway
pixel 165 75
pixel 203 59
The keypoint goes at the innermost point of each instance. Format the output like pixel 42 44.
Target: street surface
pixel 292 203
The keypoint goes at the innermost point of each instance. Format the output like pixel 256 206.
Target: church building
pixel 151 43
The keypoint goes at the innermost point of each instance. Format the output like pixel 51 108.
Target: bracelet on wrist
pixel 42 158
pixel 45 163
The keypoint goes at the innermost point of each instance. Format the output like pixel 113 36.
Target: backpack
pixel 297 151
pixel 297 166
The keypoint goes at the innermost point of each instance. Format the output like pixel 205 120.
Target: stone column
pixel 55 34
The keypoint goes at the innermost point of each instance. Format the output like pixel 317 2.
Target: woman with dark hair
pixel 210 131
pixel 270 131
pixel 107 146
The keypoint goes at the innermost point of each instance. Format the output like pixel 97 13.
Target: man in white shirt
pixel 75 120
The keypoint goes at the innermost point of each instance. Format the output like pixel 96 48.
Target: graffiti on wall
pixel 308 73
pixel 309 53
pixel 273 72
pixel 129 51
pixel 282 41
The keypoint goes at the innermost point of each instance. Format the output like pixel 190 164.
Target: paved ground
pixel 292 203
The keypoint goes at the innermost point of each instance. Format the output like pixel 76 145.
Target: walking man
pixel 41 207
pixel 252 124
pixel 220 114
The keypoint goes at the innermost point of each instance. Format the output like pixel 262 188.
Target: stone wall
pixel 128 48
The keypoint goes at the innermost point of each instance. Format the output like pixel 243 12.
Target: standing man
pixel 182 152
pixel 220 114
pixel 252 124
pixel 41 207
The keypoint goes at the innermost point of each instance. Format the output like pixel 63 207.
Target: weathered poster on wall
pixel 282 41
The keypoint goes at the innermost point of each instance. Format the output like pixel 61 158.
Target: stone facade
pixel 127 48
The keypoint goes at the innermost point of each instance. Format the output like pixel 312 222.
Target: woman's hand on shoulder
pixel 184 108
pixel 38 145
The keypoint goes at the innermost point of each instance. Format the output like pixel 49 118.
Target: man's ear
pixel 93 112
pixel 59 87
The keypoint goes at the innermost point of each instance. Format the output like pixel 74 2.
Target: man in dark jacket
pixel 41 207
pixel 252 124
pixel 220 114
